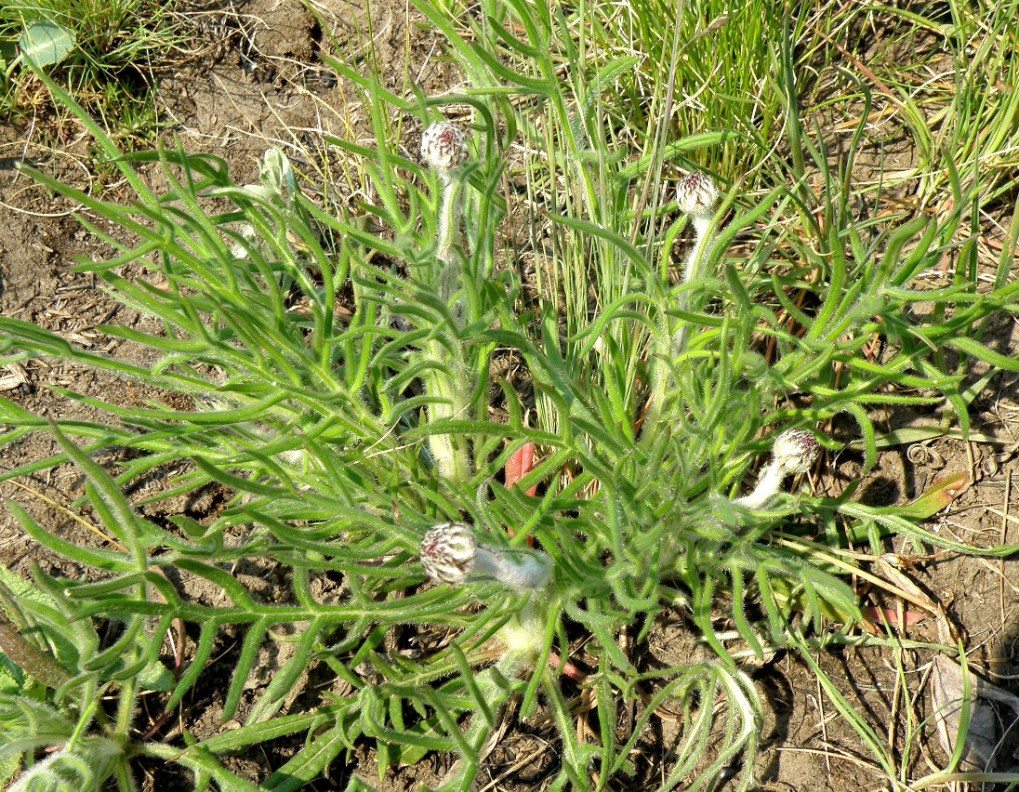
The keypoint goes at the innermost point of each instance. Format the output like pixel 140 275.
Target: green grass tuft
pixel 104 52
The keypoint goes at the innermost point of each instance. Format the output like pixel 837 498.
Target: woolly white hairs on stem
pixel 793 452
pixel 451 554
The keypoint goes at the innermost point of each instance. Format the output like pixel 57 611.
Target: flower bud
pixel 792 452
pixel 448 552
pixel 795 451
pixel 697 195
pixel 451 554
pixel 443 147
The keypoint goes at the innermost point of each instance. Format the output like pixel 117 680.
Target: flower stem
pixel 703 240
pixel 671 347
pixel 766 489
pixel 449 452
pixel 518 570
pixel 451 457
pixel 450 217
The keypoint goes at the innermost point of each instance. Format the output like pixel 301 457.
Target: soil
pixel 263 80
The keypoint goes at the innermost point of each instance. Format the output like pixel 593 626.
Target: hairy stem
pixel 671 347
pixel 449 452
pixel 450 216
pixel 692 271
pixel 766 489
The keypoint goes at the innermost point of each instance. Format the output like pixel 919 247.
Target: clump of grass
pixel 361 458
pixel 950 106
pixel 108 53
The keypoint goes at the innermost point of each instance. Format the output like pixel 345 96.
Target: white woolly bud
pixel 697 195
pixel 443 147
pixel 448 552
pixel 795 451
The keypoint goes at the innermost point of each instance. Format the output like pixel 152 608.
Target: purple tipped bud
pixel 795 451
pixel 448 552
pixel 443 147
pixel 697 195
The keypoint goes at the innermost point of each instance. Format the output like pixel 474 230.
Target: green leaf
pixel 16 588
pixel 46 43
pixel 988 355
pixel 939 495
pixel 10 765
pixel 12 681
pixel 309 763
pixel 156 676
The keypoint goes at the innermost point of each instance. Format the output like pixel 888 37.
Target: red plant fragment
pixel 519 465
pixel 891 617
